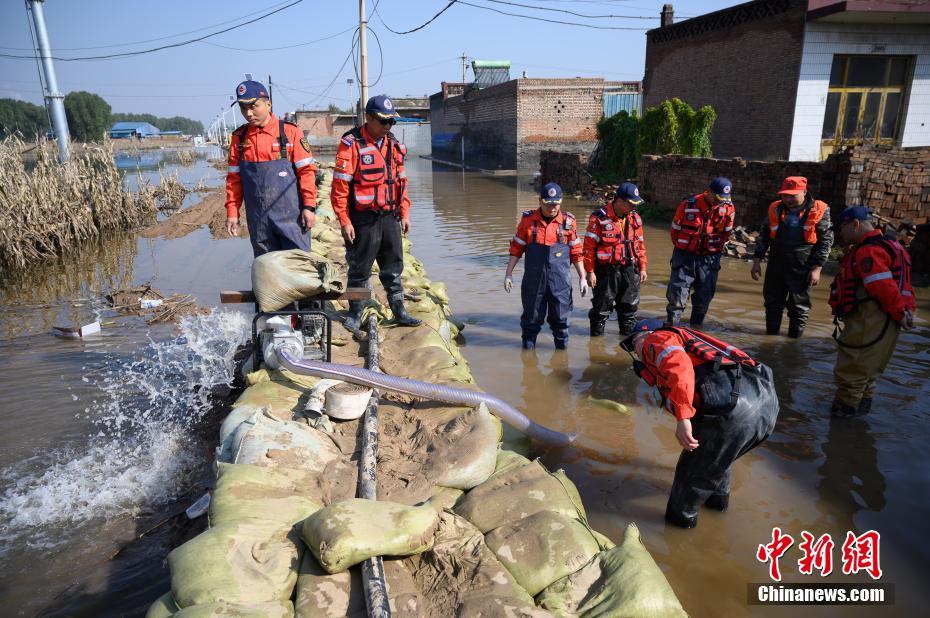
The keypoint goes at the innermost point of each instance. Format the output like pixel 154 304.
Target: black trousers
pixel 617 286
pixel 786 285
pixel 377 237
pixel 723 439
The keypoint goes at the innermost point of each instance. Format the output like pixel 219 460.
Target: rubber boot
pixel 597 328
pixel 718 502
pixel 795 329
pixel 560 344
pixel 842 410
pixel 353 317
pixel 677 519
pixel 772 324
pixel 529 344
pixel 401 317
pixel 626 329
pixel 697 319
pixel 672 318
pixel 865 406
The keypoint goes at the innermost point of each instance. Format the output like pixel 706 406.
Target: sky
pixel 196 80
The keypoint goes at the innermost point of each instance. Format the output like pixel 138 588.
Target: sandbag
pixel 507 461
pixel 324 595
pixel 624 581
pixel 345 534
pixel 470 457
pixel 541 548
pixel 264 440
pixel 518 493
pixel 281 399
pixel 280 609
pixel 246 492
pixel 241 563
pixel 163 607
pixel 281 277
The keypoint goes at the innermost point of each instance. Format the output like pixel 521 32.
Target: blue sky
pixel 196 80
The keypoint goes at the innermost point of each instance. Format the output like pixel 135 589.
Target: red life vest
pixel 843 291
pixel 810 217
pixel 699 232
pixel 616 239
pixel 375 183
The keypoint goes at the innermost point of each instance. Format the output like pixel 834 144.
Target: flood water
pixel 99 437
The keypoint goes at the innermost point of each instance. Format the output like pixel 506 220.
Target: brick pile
pixel 565 168
pixel 893 182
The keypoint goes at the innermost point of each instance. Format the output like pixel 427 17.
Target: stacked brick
pixel 893 182
pixel 565 168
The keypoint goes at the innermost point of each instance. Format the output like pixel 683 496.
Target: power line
pixel 255 49
pixel 551 21
pixel 421 26
pixel 169 46
pixel 567 12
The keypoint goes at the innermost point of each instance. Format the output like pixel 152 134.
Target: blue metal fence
pixel 629 102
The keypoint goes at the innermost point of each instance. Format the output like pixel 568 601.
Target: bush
pixel 23 118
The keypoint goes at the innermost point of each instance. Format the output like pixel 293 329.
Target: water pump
pixel 279 334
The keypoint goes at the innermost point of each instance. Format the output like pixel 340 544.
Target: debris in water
pixel 132 301
pixel 72 332
pixel 613 406
pixel 199 508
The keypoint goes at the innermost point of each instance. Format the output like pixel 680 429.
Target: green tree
pixel 22 117
pixel 175 123
pixel 88 116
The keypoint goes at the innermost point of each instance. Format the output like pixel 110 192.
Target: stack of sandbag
pixel 281 277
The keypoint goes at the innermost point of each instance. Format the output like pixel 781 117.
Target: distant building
pixel 799 79
pixel 121 130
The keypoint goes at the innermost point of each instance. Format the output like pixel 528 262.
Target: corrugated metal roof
pixel 490 72
pixel 133 126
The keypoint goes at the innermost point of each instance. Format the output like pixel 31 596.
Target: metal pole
pixel 53 98
pixel 270 100
pixel 376 598
pixel 464 66
pixel 363 61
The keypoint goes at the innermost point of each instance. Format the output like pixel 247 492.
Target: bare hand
pixel 684 435
pixel 592 279
pixel 348 233
pixel 308 217
pixel 643 276
pixel 405 226
pixel 232 227
pixel 813 277
pixel 756 270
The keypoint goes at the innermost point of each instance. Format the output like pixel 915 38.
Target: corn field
pixel 47 208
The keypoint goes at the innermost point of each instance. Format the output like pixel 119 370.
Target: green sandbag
pixel 507 461
pixel 445 497
pixel 281 277
pixel 347 533
pixel 245 492
pixel 280 609
pixel 280 398
pixel 624 581
pixel 242 563
pixel 468 460
pixel 541 548
pixel 517 493
pixel 163 607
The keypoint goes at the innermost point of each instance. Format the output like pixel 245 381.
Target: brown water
pixel 100 437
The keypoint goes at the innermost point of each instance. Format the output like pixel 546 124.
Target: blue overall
pixel 546 289
pixel 272 201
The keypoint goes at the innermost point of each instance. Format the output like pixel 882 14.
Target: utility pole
pixel 363 52
pixel 270 100
pixel 464 66
pixel 53 99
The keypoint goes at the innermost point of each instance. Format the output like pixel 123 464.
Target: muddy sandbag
pixel 243 563
pixel 280 609
pixel 445 497
pixel 246 492
pixel 470 457
pixel 264 440
pixel 324 595
pixel 507 461
pixel 280 398
pixel 541 548
pixel 345 534
pixel 624 581
pixel 518 493
pixel 461 576
pixel 163 607
pixel 281 277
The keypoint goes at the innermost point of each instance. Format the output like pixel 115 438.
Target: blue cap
pixel 381 105
pixel 249 91
pixel 642 326
pixel 851 213
pixel 551 193
pixel 721 187
pixel 629 192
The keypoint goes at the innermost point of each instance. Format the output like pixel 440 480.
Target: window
pixel 864 100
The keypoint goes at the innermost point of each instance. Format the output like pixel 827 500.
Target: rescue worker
pixel 549 239
pixel 615 260
pixel 700 229
pixel 272 170
pixel 724 401
pixel 798 231
pixel 369 196
pixel 873 297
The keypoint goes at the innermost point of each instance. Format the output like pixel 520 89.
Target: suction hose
pixel 424 390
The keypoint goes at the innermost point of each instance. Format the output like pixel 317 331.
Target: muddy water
pixel 100 438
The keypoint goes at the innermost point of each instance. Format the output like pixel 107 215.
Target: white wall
pixel 824 39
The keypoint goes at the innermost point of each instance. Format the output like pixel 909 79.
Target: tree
pixel 175 123
pixel 21 117
pixel 88 116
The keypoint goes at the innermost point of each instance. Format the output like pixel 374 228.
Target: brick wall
pixel 893 182
pixel 744 62
pixel 486 119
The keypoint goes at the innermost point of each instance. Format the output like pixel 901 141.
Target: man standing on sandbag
pixel 369 197
pixel 272 171
pixel 549 239
pixel 724 401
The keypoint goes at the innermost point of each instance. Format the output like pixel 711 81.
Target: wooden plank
pixel 247 296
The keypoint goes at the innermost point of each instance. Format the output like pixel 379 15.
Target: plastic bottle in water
pixel 198 508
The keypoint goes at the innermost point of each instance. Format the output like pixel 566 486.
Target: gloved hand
pixel 908 322
pixel 583 286
pixel 508 283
